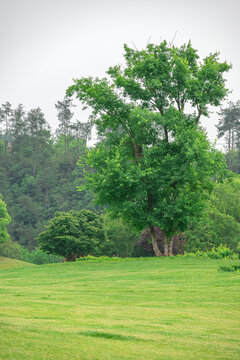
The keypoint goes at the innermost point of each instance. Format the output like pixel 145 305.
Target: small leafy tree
pixel 4 221
pixel 73 234
pixel 155 165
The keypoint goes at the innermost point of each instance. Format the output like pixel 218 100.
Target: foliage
pixel 73 234
pixel 38 257
pixel 229 127
pixel 221 252
pixel 4 221
pixel 122 236
pixel 155 165
pixel 220 222
pixel 11 250
pixel 64 116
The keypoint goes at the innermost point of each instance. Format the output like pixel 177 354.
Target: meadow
pixel 150 308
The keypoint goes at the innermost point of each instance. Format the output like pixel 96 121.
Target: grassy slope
pixel 142 309
pixel 6 263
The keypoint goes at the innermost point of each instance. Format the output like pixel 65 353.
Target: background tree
pixel 64 116
pixel 5 114
pixel 229 127
pixel 81 132
pixel 220 222
pixel 18 124
pixel 73 234
pixel 155 166
pixel 39 134
pixel 122 236
pixel 4 221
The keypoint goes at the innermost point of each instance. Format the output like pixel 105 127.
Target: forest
pixel 43 174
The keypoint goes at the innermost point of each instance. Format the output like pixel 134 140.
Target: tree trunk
pixel 138 152
pixel 229 147
pixel 167 246
pixel 156 250
pixel 71 257
pixel 34 167
pixel 170 247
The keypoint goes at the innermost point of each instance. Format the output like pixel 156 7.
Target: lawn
pixel 166 308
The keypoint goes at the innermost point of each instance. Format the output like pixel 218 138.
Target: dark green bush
pixel 39 257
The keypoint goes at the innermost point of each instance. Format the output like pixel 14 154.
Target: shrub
pixel 39 257
pixel 11 250
pixel 221 252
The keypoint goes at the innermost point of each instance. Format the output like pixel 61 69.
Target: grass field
pixel 166 308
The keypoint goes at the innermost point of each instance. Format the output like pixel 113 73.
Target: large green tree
pixel 155 166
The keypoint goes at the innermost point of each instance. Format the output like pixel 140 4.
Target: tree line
pixel 38 169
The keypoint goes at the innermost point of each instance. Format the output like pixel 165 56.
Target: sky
pixel 47 43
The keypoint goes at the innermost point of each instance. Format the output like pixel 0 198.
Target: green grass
pixel 144 309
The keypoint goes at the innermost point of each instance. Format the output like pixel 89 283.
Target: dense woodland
pixel 41 172
pixel 40 175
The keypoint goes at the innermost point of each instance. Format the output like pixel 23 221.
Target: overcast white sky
pixel 46 43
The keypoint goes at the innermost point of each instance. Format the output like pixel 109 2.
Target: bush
pixel 39 257
pixel 221 252
pixel 11 250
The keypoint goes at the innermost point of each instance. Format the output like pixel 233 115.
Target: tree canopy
pixel 155 165
pixel 73 234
